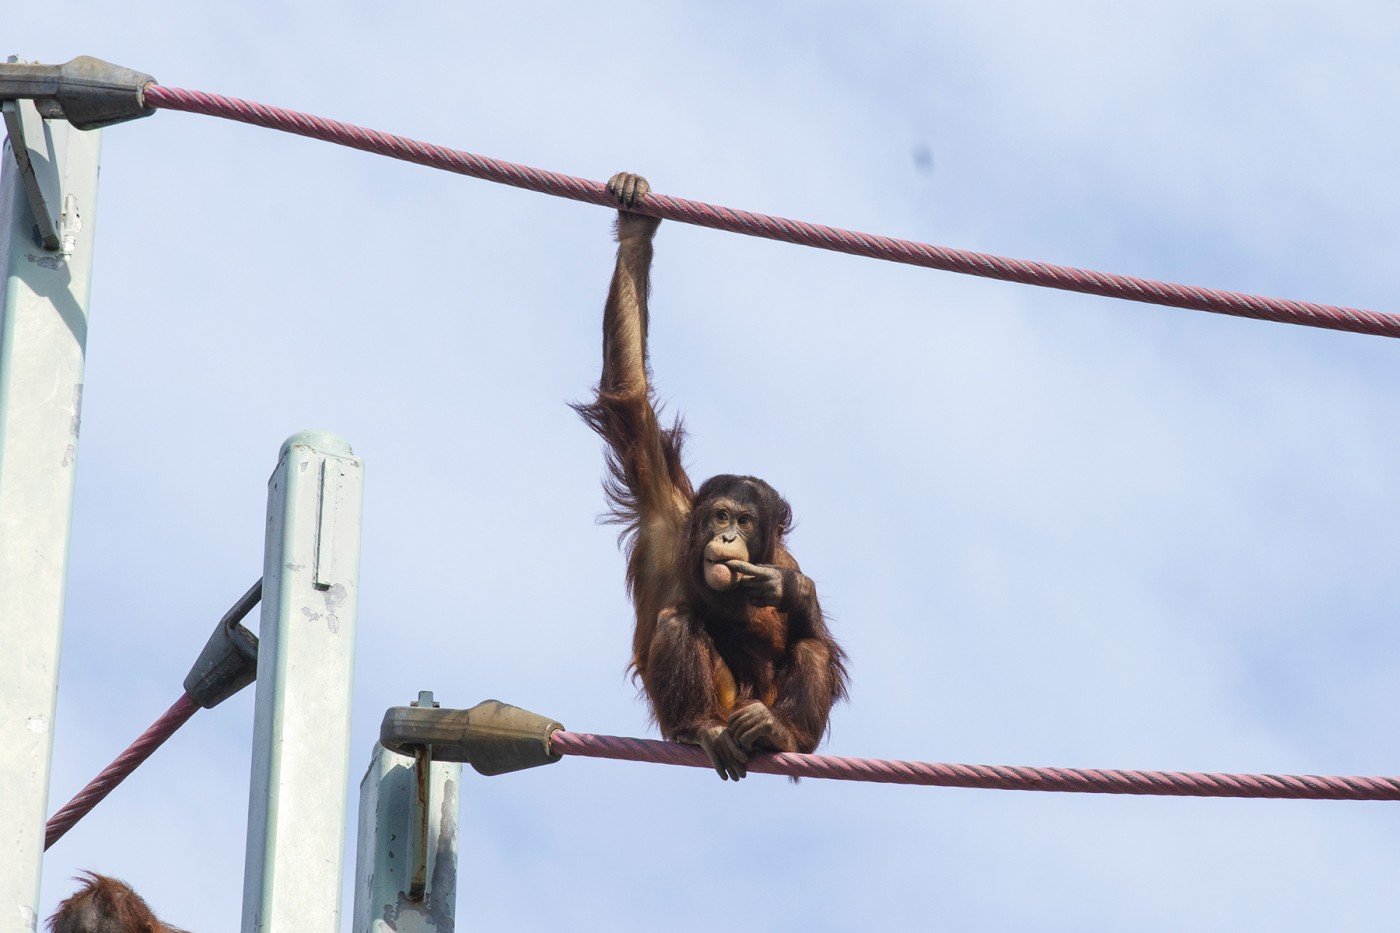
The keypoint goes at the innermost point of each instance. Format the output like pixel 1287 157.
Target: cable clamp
pixel 87 92
pixel 493 737
pixel 229 661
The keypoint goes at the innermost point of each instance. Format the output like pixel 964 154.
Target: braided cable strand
pixel 996 777
pixel 945 258
pixel 118 771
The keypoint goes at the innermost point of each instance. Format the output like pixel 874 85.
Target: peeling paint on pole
pixel 385 899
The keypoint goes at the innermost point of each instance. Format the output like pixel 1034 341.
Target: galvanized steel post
pixel 43 336
pixel 301 742
pixel 406 869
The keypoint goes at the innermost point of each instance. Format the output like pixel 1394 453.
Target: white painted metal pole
pixel 405 832
pixel 43 335
pixel 301 742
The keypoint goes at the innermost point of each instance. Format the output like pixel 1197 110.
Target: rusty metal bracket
pixel 87 92
pixel 418 809
pixel 493 737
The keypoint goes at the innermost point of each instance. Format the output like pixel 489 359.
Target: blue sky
pixel 1050 529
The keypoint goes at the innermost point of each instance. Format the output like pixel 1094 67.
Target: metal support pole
pixel 406 867
pixel 43 334
pixel 301 742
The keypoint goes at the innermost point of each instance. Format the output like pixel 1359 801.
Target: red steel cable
pixel 997 777
pixel 116 772
pixel 946 258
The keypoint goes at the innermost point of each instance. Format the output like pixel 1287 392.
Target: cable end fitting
pixel 229 661
pixel 493 737
pixel 87 92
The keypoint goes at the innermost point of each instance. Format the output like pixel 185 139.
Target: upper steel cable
pixel 947 258
pixel 998 777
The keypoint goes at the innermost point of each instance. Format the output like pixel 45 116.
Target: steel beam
pixel 306 649
pixel 43 337
pixel 406 874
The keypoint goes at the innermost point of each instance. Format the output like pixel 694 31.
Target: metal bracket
pixel 87 92
pixel 418 809
pixel 229 661
pixel 493 737
pixel 46 226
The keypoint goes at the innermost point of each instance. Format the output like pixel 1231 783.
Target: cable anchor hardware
pixel 87 92
pixel 493 737
pixel 229 661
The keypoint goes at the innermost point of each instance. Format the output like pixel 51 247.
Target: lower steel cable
pixel 118 771
pixel 996 777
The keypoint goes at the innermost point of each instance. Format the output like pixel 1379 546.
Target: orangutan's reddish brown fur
pixel 730 642
pixel 106 905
